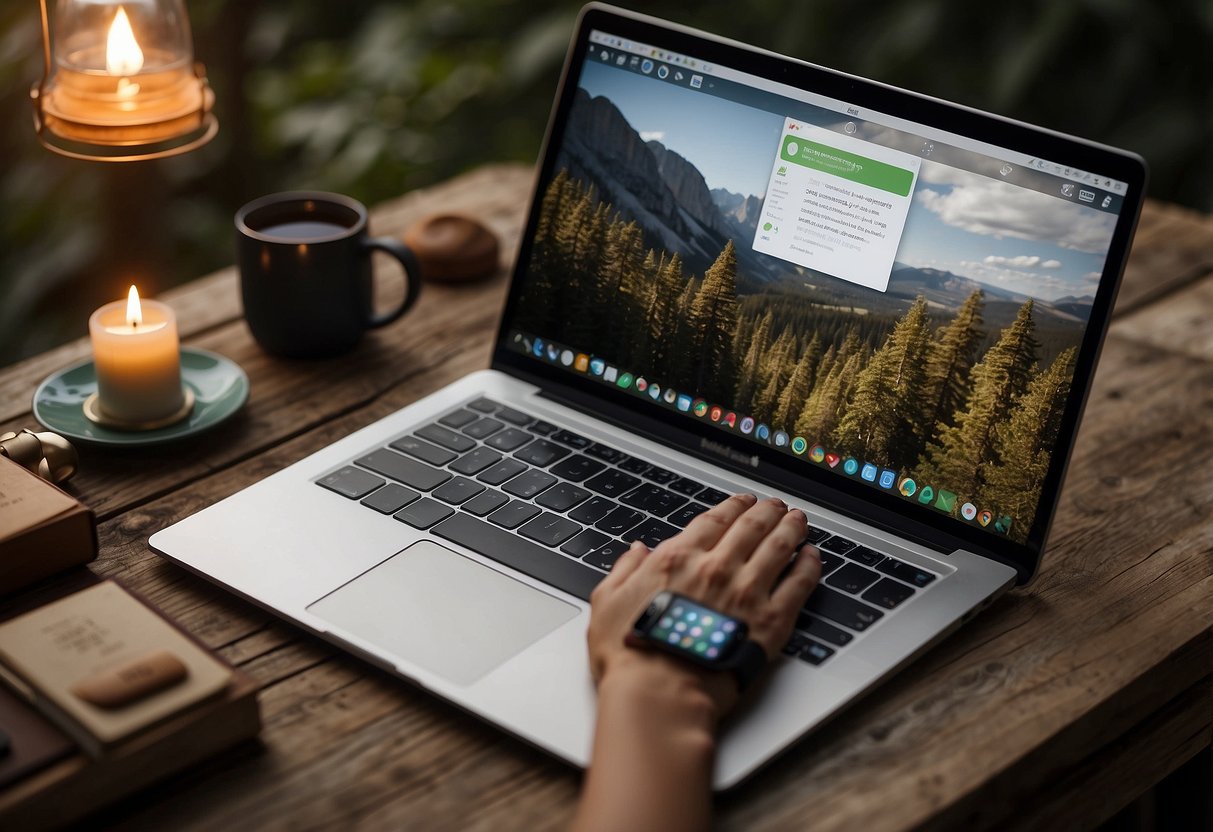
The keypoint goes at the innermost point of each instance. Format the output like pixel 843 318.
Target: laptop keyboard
pixel 562 508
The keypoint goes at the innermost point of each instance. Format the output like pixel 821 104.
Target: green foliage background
pixel 376 97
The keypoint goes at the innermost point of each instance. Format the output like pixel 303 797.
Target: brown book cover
pixel 43 530
pixel 30 743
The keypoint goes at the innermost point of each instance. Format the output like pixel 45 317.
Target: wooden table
pixel 1052 710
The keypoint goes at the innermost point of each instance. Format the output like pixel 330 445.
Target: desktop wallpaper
pixel 948 387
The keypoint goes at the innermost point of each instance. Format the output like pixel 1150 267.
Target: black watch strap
pixel 748 663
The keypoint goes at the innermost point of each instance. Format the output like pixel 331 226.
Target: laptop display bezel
pixel 797 475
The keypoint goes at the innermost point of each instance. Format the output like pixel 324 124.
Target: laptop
pixel 740 272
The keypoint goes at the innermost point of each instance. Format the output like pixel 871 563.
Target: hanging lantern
pixel 120 82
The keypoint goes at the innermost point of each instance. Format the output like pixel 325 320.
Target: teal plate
pixel 220 389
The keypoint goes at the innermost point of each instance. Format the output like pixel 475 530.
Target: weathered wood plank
pixel 1182 322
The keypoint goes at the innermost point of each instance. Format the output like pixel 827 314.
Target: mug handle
pixel 412 276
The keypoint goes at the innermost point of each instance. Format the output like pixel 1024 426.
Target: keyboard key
pixel 516 552
pixel 711 496
pixel 423 513
pixel 529 484
pixel 424 451
pixel 543 428
pixel 826 632
pixel 684 486
pixel 514 417
pixel 458 419
pixel 795 644
pixel 562 496
pixel 504 470
pixel 584 543
pixel 483 405
pixel 576 468
pixel 612 483
pixel 483 428
pixel 842 609
pixel 651 532
pixel 350 482
pixel 541 452
pixel 837 544
pixel 410 472
pixel 659 475
pixel 815 653
pixel 573 440
pixel 593 510
pixel 457 490
pixel 604 556
pixel 391 498
pixel 634 465
pixel 903 571
pixel 815 535
pixel 475 461
pixel 513 515
pixel 486 502
pixel 606 453
pixel 888 593
pixel 686 514
pixel 852 578
pixel 446 438
pixel 830 562
pixel 550 529
pixel 619 521
pixel 866 556
pixel 508 439
pixel 656 501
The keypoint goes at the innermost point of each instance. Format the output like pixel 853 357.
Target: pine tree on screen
pixel 796 392
pixel 713 327
pixel 747 377
pixel 951 361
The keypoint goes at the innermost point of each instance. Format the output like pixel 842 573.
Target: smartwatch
pixel 700 635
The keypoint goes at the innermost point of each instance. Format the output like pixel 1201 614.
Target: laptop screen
pixel 883 300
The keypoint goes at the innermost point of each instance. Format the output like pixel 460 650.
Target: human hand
pixel 728 558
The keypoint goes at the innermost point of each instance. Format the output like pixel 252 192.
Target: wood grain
pixel 1051 710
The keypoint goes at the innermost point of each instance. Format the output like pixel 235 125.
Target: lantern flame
pixel 134 312
pixel 122 53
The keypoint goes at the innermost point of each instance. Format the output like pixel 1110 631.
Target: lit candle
pixel 138 361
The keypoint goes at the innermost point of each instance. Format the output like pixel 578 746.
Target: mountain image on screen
pixel 941 378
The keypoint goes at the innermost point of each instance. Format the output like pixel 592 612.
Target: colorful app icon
pixel 537 348
pixel 817 453
pixel 625 380
pixel 654 391
pixel 762 432
pixel 850 466
pixel 670 395
pixel 566 358
pixel 1003 525
pixel 926 495
pixel 553 352
pixel 597 366
pixel 715 413
pixel 869 472
pixel 968 511
pixel 700 407
pixel 946 501
pixel 887 478
pixel 730 419
pixel 581 363
pixel 642 384
pixel 684 402
pixel 907 487
pixel 799 444
pixel 984 517
pixel 832 460
pixel 747 425
pixel 781 439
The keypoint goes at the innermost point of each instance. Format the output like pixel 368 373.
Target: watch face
pixel 695 630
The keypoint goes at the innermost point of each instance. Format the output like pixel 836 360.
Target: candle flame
pixel 122 53
pixel 134 312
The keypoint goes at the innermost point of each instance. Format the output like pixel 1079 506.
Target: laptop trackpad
pixel 442 611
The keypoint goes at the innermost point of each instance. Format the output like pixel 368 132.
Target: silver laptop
pixel 740 272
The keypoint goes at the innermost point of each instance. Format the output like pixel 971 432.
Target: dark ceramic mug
pixel 305 273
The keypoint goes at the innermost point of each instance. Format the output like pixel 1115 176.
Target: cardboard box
pixel 43 530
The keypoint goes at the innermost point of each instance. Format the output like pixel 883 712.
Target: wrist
pixel 666 685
